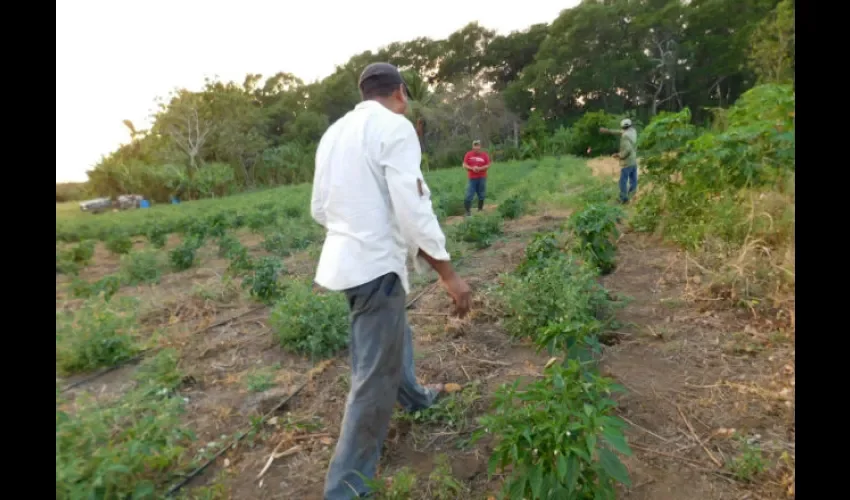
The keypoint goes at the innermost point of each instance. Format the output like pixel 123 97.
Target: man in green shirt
pixel 628 158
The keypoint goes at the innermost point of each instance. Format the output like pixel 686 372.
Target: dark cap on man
pixel 385 73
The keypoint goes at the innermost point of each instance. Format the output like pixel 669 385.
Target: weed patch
pixel 480 230
pixel 309 323
pixel 126 448
pixel 97 335
pixel 140 267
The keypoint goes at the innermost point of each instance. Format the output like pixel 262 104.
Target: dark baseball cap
pixel 386 72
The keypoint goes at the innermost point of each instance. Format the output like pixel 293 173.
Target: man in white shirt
pixel 369 194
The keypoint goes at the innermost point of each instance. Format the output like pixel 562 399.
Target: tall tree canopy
pixel 625 57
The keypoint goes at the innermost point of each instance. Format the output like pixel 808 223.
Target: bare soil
pixel 696 375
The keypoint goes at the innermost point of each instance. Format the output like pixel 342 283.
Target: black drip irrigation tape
pixel 147 352
pixel 104 371
pixel 188 478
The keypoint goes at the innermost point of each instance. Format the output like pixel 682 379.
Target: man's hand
pixel 615 155
pixel 603 130
pixel 457 289
pixel 476 169
pixel 460 293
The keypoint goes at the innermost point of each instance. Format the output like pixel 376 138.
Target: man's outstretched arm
pixel 414 212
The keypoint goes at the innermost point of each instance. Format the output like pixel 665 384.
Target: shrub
pixel 479 230
pixel 108 286
pixel 309 323
pixel 120 449
pixel 66 267
pixel 260 219
pixel 228 245
pixel 263 284
pixel 157 235
pixel 446 206
pixel 80 253
pixel 98 334
pixel 512 207
pixel 559 435
pixel 585 134
pixel 722 192
pixel 182 257
pixel 140 267
pixel 558 303
pixel 119 244
pixel 540 250
pixel 161 370
pixel 596 229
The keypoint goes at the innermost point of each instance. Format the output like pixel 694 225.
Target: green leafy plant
pixel 160 371
pixel 107 286
pixel 124 448
pixel 67 267
pixel 260 380
pixel 479 230
pixel 452 410
pixel 542 248
pixel 260 219
pixel 80 253
pixel 96 335
pixel 228 245
pixel 182 257
pixel 442 485
pixel 748 463
pixel 119 244
pixel 240 261
pixel 399 487
pixel 263 283
pixel 512 207
pixel 157 235
pixel 559 435
pixel 558 304
pixel 596 229
pixel 140 267
pixel 310 323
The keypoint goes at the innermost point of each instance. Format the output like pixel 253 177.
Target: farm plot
pixel 236 369
pixel 180 317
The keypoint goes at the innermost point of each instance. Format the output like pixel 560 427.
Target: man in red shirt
pixel 476 163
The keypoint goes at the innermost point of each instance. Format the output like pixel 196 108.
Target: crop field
pixel 195 357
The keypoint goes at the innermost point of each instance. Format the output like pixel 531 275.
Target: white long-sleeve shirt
pixel 370 195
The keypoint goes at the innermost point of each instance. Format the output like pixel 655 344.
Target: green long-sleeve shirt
pixel 628 147
pixel 628 151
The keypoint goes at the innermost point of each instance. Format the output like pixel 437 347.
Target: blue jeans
pixel 628 179
pixel 475 187
pixel 382 373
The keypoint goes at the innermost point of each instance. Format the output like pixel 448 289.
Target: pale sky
pixel 113 57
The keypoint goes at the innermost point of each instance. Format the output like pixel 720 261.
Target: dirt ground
pixel 697 375
pixel 690 375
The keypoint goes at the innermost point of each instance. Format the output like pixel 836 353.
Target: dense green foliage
pixel 559 437
pixel 262 283
pixel 729 190
pixel 596 229
pixel 96 335
pixel 309 323
pixel 594 63
pixel 559 434
pixel 124 448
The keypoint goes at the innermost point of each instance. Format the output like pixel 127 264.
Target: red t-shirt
pixel 476 159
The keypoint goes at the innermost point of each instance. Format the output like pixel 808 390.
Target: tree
pixel 185 124
pixel 773 45
pixel 463 53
